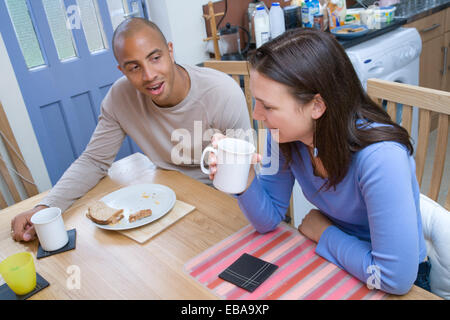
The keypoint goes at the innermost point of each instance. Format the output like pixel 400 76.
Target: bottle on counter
pixel 318 21
pixel 251 11
pixel 309 9
pixel 276 19
pixel 337 10
pixel 262 26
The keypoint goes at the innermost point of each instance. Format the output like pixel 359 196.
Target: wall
pixel 20 123
pixel 183 24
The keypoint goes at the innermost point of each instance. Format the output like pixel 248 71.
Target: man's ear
pixel 120 68
pixel 170 46
pixel 319 107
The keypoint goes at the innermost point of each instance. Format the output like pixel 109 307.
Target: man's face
pixel 148 63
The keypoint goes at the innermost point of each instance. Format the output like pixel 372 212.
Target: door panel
pixel 61 54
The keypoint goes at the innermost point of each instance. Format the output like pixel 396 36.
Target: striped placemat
pixel 302 274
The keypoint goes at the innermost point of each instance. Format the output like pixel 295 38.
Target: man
pixel 158 103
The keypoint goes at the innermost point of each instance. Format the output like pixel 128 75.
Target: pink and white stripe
pixel 302 274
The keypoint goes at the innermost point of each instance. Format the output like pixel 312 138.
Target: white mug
pixel 234 158
pixel 50 228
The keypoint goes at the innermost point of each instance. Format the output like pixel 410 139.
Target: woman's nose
pixel 258 112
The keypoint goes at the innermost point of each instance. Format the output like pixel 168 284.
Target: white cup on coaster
pixel 234 158
pixel 50 229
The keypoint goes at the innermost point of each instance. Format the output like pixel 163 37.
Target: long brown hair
pixel 311 62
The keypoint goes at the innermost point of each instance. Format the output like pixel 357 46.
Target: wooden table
pixel 112 266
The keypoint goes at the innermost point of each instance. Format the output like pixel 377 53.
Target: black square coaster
pixel 248 272
pixel 69 246
pixel 7 294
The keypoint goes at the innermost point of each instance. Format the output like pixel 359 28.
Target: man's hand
pixel 21 227
pixel 314 224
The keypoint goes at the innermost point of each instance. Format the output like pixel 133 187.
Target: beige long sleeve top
pixel 172 138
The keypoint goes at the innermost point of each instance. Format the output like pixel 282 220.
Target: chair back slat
pixel 422 144
pixel 248 97
pixel 18 165
pixel 407 118
pixel 427 101
pixel 9 181
pixel 392 110
pixel 447 201
pixel 236 69
pixel 439 157
pixel 3 203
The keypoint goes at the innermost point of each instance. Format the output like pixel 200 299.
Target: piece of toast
pixel 101 213
pixel 139 215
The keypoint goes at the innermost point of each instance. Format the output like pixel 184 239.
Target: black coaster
pixel 7 294
pixel 69 246
pixel 248 272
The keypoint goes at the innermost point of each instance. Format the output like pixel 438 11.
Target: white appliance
pixel 393 56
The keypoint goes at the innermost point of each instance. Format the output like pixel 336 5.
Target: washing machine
pixel 394 56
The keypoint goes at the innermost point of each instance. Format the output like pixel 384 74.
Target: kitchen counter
pixel 406 12
pixel 416 9
pixel 373 33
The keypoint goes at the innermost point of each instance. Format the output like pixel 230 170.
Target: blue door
pixel 62 57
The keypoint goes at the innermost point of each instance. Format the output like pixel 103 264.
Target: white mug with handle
pixel 50 229
pixel 234 158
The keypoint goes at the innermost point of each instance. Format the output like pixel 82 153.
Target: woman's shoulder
pixel 385 156
pixel 382 149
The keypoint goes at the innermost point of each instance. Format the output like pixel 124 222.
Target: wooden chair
pixel 427 101
pixel 19 166
pixel 238 69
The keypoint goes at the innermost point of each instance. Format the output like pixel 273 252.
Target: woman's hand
pixel 212 160
pixel 314 224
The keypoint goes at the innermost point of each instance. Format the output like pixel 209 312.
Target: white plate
pixel 160 199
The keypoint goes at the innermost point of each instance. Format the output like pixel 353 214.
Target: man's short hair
pixel 130 26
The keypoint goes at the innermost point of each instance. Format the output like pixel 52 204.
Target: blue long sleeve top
pixel 375 211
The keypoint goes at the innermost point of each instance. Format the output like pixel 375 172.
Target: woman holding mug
pixel 350 159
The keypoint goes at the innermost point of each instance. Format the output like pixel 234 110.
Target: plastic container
pixel 385 14
pixel 353 16
pixel 276 18
pixel 251 13
pixel 19 272
pixel 318 21
pixel 368 18
pixel 309 9
pixel 262 26
pixel 336 10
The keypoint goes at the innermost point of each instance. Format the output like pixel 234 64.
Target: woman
pixel 351 161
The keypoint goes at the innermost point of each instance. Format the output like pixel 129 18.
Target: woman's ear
pixel 319 107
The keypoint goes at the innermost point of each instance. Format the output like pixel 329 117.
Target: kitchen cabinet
pixel 447 46
pixel 435 57
pixel 434 49
pixel 432 73
pixel 447 20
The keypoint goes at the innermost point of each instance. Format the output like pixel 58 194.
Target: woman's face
pixel 278 109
